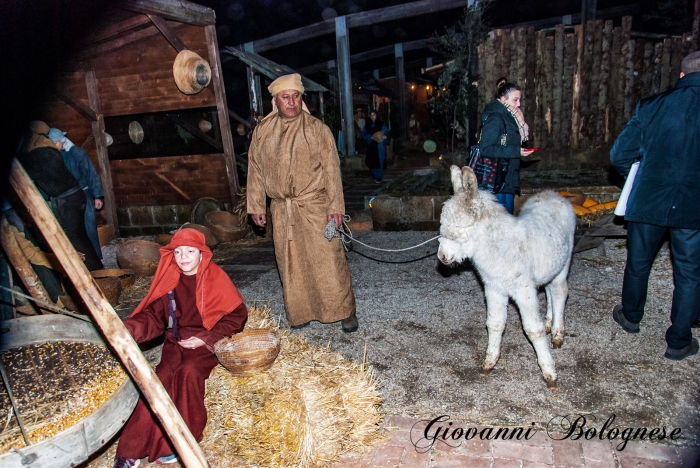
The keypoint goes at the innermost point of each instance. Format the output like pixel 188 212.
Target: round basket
pixel 111 287
pixel 191 72
pixel 126 277
pixel 139 255
pixel 201 207
pixel 136 132
pixel 249 352
pixel 105 234
pixel 225 226
pixel 209 237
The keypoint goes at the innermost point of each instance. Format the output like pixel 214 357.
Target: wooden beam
pixel 24 269
pixel 108 321
pixel 239 118
pixel 110 30
pixel 175 10
pixel 345 79
pixel 588 10
pixel 217 80
pixel 168 32
pixel 83 109
pixel 195 131
pixel 119 42
pixel 364 18
pixel 98 132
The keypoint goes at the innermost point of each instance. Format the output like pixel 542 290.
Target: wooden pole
pixel 107 320
pixel 22 266
pixel 98 131
pixel 343 48
pixel 696 26
pixel 401 85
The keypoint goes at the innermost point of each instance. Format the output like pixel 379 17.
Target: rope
pixel 345 235
pixel 46 305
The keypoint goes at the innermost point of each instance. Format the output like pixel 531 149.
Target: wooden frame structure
pixel 125 67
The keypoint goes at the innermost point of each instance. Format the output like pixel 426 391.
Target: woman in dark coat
pixel 377 136
pixel 503 131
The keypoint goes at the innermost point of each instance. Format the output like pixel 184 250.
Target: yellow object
pixel 603 206
pixel 589 202
pixel 579 210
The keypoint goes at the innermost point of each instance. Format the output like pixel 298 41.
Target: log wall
pixel 580 83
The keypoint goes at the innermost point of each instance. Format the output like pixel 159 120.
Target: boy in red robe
pixel 195 304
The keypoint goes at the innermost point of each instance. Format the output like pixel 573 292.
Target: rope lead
pixel 345 235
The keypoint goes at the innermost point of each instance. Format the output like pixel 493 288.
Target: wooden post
pixel 22 266
pixel 603 121
pixel 628 60
pixel 557 82
pixel 253 85
pixel 588 11
pixel 345 79
pixel 576 91
pixel 217 81
pixel 98 132
pixel 401 83
pixel 108 321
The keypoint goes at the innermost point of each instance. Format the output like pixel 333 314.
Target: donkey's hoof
pixel 485 372
pixel 552 384
pixel 556 344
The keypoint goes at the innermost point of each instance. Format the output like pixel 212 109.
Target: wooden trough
pixel 75 444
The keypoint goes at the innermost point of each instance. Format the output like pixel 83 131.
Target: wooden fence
pixel 580 83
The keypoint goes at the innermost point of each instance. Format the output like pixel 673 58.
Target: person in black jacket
pixel 664 135
pixel 503 130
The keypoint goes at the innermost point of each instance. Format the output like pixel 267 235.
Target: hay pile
pixel 309 408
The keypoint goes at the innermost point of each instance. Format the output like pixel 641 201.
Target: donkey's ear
pixel 456 176
pixel 469 182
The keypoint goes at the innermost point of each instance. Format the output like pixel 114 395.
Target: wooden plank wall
pixel 174 180
pixel 580 83
pixel 139 78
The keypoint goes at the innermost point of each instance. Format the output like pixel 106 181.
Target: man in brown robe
pixel 294 161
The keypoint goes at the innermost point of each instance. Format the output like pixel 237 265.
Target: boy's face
pixel 187 259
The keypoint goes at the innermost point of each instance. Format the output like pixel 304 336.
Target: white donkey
pixel 514 256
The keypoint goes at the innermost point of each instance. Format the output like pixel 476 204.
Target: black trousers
pixel 643 241
pixel 71 216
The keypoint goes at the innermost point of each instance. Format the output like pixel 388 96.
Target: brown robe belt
pixel 289 219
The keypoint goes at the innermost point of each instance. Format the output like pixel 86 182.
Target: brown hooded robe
pixel 294 161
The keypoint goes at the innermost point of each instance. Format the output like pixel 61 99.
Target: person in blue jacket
pixel 81 167
pixel 664 135
pixel 377 136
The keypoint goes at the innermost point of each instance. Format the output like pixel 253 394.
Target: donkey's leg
pixel 557 292
pixel 548 318
pixel 496 316
pixel 527 301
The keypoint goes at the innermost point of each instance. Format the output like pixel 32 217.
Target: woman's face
pixel 512 99
pixel 373 116
pixel 187 259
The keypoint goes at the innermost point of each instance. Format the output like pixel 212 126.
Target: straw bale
pixel 310 407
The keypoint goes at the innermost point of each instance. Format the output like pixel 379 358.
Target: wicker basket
pixel 249 352
pixel 126 277
pixel 111 288
pixel 209 237
pixel 225 226
pixel 191 72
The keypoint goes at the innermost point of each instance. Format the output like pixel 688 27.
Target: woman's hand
pixel 191 343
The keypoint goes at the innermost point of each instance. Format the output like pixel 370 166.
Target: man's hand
pixel 337 217
pixel 259 219
pixel 98 204
pixel 191 343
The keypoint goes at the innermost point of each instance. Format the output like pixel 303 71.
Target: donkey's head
pixel 459 214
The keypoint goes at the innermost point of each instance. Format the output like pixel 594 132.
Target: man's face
pixel 288 103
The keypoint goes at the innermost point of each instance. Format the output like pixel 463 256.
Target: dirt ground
pixel 422 326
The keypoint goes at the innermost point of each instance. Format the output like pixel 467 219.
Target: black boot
pixel 350 324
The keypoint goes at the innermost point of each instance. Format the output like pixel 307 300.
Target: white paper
pixel 621 206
